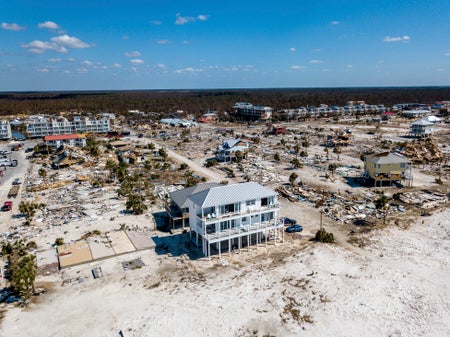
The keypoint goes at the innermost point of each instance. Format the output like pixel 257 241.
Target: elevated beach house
pixel 387 168
pixel 227 151
pixel 229 217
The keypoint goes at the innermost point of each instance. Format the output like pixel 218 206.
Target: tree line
pixel 198 102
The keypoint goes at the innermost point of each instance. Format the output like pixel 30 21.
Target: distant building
pixel 75 139
pixel 233 216
pixel 40 126
pixel 227 151
pixel 421 128
pixel 209 117
pixel 387 168
pixel 178 122
pixel 5 129
pixel 253 112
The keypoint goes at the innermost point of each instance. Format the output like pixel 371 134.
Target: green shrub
pixel 324 236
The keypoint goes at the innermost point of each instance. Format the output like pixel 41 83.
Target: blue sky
pixel 183 44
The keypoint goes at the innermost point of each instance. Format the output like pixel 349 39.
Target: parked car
pixel 17 181
pixel 7 206
pixel 294 228
pixel 29 149
pixel 289 221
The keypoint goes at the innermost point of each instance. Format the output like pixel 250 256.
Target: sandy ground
pixel 398 285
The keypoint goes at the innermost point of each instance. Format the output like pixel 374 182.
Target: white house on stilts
pixel 227 217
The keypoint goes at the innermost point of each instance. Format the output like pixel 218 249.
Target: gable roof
pixel 230 194
pixel 387 158
pixel 180 197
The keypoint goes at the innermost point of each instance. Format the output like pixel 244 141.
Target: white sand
pixel 399 285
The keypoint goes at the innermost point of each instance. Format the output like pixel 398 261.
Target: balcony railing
pixel 213 217
pixel 242 230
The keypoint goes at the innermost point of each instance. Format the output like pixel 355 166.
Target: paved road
pixel 209 174
pixel 9 175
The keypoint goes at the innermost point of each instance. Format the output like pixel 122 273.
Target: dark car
pixel 29 149
pixel 294 229
pixel 289 221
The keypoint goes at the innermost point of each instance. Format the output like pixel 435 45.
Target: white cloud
pixel 349 66
pixel 156 22
pixel 297 67
pixel 317 50
pixel 42 70
pixel 447 53
pixel 48 25
pixel 315 61
pixel 40 47
pixel 404 38
pixel 82 70
pixel 188 70
pixel 163 42
pixel 292 49
pixel 137 61
pixel 334 23
pixel 54 60
pixel 181 20
pixel 117 66
pixel 70 41
pixel 133 54
pixel 88 63
pixel 186 42
pixel 12 26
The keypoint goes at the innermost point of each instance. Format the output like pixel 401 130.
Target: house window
pixel 250 202
pixel 378 166
pixel 402 165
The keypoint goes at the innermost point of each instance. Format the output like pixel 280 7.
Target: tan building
pixel 388 168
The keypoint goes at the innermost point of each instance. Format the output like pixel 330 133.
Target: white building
pixel 78 140
pixel 40 126
pixel 233 216
pixel 250 111
pixel 5 130
pixel 422 128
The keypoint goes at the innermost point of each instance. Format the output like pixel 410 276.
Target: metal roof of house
pixel 387 158
pixel 423 122
pixel 180 197
pixel 230 194
pixel 65 136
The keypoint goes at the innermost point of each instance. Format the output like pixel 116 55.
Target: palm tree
pixel 135 202
pixel 382 205
pixel 292 178
pixel 296 163
pixel 42 173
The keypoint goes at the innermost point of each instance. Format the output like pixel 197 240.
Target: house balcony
pixel 214 217
pixel 235 232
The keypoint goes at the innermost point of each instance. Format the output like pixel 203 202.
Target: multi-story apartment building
pixel 40 126
pixel 78 140
pixel 234 216
pixel 252 112
pixel 5 130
